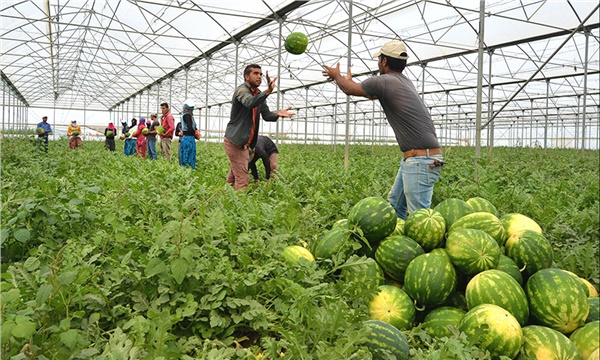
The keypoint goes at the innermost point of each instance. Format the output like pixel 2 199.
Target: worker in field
pixel 43 131
pixel 74 134
pixel 266 150
pixel 409 118
pixel 247 107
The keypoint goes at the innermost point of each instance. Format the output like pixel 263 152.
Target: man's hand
pixel 285 113
pixel 270 83
pixel 331 72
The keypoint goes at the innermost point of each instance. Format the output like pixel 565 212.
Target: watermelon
pixel 479 204
pixel 579 280
pixel 375 217
pixel 457 300
pixel 393 306
pixel 40 130
pixel 591 288
pixel 334 242
pixel 430 279
pixel 530 251
pixel 556 300
pixel 513 223
pixel 496 329
pixel 498 288
pixel 472 251
pixel 427 227
pixel 587 338
pixel 482 221
pixel 594 314
pixel 453 209
pixel 595 355
pixel 510 267
pixel 544 343
pixel 296 43
pixel 122 137
pixel 342 224
pixel 127 134
pixel 75 133
pixel 160 130
pixel 399 230
pixel 437 321
pixel 395 253
pixel 293 254
pixel 362 270
pixel 384 341
pixel 145 131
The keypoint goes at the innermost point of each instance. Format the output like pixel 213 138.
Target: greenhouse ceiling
pixel 99 55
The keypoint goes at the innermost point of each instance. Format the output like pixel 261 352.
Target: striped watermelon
pixel 556 300
pixel 530 250
pixel 472 251
pixel 582 284
pixel 384 341
pixel 591 288
pixel 293 254
pixel 595 355
pixel 335 242
pixel 453 209
pixel 430 279
pixel 479 204
pixel 375 217
pixel 514 223
pixel 393 306
pixel 395 253
pixel 341 223
pixel 587 338
pixel 481 221
pixel 427 227
pixel 399 230
pixel 437 321
pixel 296 43
pixel 510 267
pixel 498 288
pixel 362 270
pixel 544 343
pixel 496 329
pixel 594 314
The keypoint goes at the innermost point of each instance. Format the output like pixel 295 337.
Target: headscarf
pixel 111 127
pixel 73 123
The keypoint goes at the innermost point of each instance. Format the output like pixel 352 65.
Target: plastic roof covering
pixel 100 54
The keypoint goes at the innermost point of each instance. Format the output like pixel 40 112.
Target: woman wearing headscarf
pixel 129 141
pixel 187 145
pixel 140 142
pixel 110 133
pixel 73 132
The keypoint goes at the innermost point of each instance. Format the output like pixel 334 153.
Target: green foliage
pixel 121 257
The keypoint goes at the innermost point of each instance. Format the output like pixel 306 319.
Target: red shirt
pixel 168 123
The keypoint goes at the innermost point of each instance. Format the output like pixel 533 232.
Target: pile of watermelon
pixel 461 265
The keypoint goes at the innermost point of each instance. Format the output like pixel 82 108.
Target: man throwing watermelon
pixel 408 116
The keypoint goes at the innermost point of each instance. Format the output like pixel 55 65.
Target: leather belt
pixel 422 152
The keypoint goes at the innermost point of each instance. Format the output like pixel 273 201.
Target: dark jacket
pixel 240 123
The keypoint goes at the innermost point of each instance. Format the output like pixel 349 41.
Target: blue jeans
pixel 151 145
pixel 413 187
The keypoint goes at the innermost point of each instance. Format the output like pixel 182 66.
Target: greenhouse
pixel 532 80
pixel 462 224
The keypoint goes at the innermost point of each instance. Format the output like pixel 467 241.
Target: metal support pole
pixel 585 66
pixel 306 117
pixel 280 21
pixel 206 102
pixel 490 105
pixel 531 121
pixel 349 60
pixel 479 84
pixel 546 121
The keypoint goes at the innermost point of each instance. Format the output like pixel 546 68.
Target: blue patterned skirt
pixel 129 147
pixel 187 151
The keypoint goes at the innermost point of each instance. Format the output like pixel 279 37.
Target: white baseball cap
pixel 393 49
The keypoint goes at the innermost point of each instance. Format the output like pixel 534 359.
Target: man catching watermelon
pixel 408 116
pixel 247 106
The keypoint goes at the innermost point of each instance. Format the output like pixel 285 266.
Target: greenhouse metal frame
pixel 531 79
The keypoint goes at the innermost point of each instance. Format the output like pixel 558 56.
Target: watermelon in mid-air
pixel 296 43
